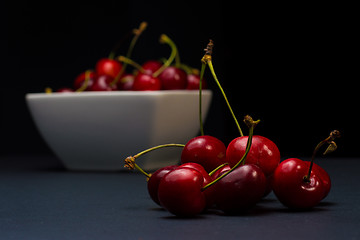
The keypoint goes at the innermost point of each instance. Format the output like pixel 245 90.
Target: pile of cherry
pixel 196 185
pixel 235 178
pixel 109 74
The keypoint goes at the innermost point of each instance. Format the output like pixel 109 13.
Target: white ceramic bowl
pixel 98 130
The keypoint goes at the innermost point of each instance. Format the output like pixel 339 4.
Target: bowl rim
pixel 115 93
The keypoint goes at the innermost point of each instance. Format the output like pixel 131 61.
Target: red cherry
pixel 193 81
pixel 126 82
pixel 79 80
pixel 291 188
pixel 180 192
pixel 208 151
pixel 173 78
pixel 151 66
pixel 154 181
pixel 240 190
pixel 145 82
pixel 263 153
pixel 107 66
pixel 103 83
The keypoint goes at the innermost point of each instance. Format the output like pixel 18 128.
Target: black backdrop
pixel 295 67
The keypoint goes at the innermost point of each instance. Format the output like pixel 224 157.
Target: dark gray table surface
pixel 41 200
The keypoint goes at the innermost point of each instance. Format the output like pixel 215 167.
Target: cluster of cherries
pixel 235 178
pixel 110 73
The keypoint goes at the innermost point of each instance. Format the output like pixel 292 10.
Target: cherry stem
pixel 131 164
pixel 332 147
pixel 130 161
pixel 85 83
pixel 207 59
pixel 203 66
pixel 251 124
pixel 213 171
pixel 127 60
pixel 137 32
pixel 165 39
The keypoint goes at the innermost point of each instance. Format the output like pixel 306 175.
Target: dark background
pixel 295 67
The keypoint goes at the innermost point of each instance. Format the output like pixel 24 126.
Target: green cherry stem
pixel 332 147
pixel 131 165
pixel 251 124
pixel 158 147
pixel 207 59
pixel 203 66
pixel 137 32
pixel 213 171
pixel 85 83
pixel 131 62
pixel 165 39
pixel 130 161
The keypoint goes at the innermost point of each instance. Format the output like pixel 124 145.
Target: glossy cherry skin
pixel 209 193
pixel 126 82
pixel 193 81
pixel 240 190
pixel 205 150
pixel 151 66
pixel 146 82
pixel 180 192
pixel 316 169
pixel 103 83
pixel 197 167
pixel 107 66
pixel 292 190
pixel 154 181
pixel 79 80
pixel 263 153
pixel 173 78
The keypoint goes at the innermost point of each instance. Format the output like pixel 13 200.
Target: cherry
pixel 302 185
pixel 206 150
pixel 126 82
pixel 193 82
pixel 241 187
pixel 151 66
pixel 173 78
pixel 80 79
pixel 145 82
pixel 290 187
pixel 263 153
pixel 107 66
pixel 154 180
pixel 180 192
pixel 103 83
pixel 240 190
